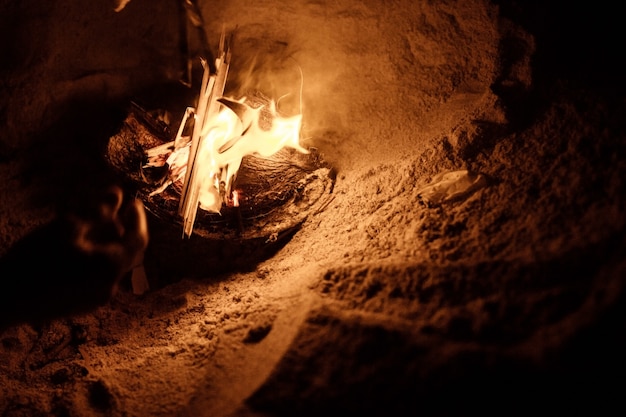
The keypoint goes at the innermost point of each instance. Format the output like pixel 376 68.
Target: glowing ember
pixel 235 198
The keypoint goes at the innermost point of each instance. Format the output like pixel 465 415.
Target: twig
pixel 326 204
pixel 212 89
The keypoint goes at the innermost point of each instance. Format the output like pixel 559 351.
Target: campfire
pixel 234 170
pixel 204 166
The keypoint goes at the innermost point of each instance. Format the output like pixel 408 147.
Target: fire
pixel 233 133
pixel 235 198
pixel 225 130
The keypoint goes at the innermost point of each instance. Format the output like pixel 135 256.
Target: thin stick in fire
pixel 212 88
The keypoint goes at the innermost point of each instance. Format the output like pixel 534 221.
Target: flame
pixel 237 130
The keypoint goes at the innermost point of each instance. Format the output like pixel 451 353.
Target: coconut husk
pixel 277 194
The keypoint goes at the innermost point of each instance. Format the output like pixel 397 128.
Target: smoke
pixel 267 68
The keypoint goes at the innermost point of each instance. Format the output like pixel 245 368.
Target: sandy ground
pixel 503 300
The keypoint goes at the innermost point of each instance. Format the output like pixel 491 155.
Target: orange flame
pixel 226 139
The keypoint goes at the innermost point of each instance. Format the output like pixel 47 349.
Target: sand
pixel 508 299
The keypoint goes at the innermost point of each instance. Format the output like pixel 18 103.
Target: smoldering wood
pixel 276 195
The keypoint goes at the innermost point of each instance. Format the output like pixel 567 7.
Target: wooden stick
pixel 179 142
pixel 195 138
pixel 191 209
pixel 208 106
